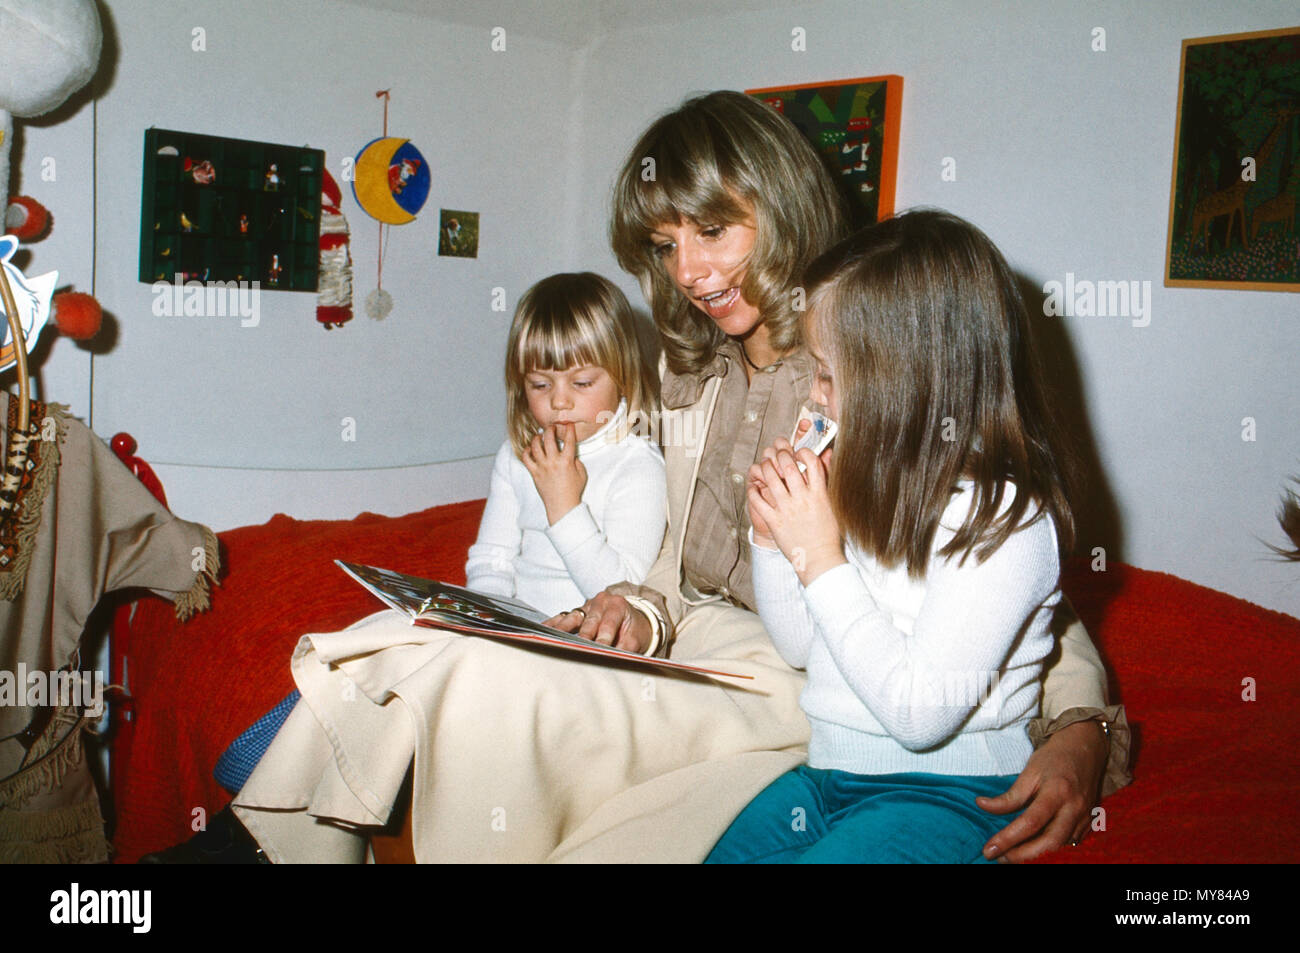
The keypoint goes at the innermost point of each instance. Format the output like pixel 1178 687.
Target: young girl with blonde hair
pixel 577 498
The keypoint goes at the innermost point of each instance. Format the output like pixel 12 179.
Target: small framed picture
pixel 1236 175
pixel 458 233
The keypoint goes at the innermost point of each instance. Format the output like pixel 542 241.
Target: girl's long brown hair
pixel 927 335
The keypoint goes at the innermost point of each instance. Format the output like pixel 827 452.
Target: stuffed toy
pixel 49 49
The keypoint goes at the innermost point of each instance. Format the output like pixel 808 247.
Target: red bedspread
pixel 197 686
pixel 1217 777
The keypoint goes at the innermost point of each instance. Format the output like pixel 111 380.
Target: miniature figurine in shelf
pixel 272 183
pixel 203 172
pixel 243 224
pixel 186 224
pixel 273 273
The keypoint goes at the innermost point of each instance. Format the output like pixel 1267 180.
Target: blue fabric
pixel 238 761
pixel 817 816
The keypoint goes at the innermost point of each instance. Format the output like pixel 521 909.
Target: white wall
pixel 1063 155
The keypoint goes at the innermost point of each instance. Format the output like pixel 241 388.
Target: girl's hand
pixel 796 509
pixel 558 474
pixel 762 532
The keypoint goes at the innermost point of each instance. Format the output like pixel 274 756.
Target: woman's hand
pixel 609 620
pixel 558 474
pixel 1058 789
pixel 793 509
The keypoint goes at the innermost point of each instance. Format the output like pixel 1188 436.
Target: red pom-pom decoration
pixel 26 219
pixel 78 315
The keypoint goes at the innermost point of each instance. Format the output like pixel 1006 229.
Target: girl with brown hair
pixel 915 578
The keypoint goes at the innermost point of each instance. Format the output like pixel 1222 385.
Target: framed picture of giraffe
pixel 1236 175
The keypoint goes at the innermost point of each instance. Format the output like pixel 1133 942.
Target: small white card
pixel 817 437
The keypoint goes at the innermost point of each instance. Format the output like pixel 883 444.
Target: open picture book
pixel 440 605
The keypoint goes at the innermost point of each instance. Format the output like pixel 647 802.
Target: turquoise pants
pixel 817 816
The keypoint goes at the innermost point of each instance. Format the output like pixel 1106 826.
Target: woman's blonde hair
pixel 927 336
pixel 710 162
pixel 572 320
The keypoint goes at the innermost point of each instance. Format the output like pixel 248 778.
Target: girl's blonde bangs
pixel 572 320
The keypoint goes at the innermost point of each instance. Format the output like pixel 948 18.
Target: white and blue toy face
pixel 31 295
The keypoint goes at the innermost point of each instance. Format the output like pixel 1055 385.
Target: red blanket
pixel 1216 775
pixel 197 686
pixel 1212 685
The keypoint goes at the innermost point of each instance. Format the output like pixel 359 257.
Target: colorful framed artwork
pixel 1236 172
pixel 853 123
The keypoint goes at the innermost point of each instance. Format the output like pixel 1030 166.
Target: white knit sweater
pixel 940 675
pixel 613 535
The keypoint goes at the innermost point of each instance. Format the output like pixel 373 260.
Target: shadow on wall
pixel 1096 514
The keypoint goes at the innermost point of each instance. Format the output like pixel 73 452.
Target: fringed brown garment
pixel 49 811
pixel 31 463
pixel 76 524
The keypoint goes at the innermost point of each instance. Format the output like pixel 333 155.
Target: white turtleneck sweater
pixel 613 535
pixel 939 675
